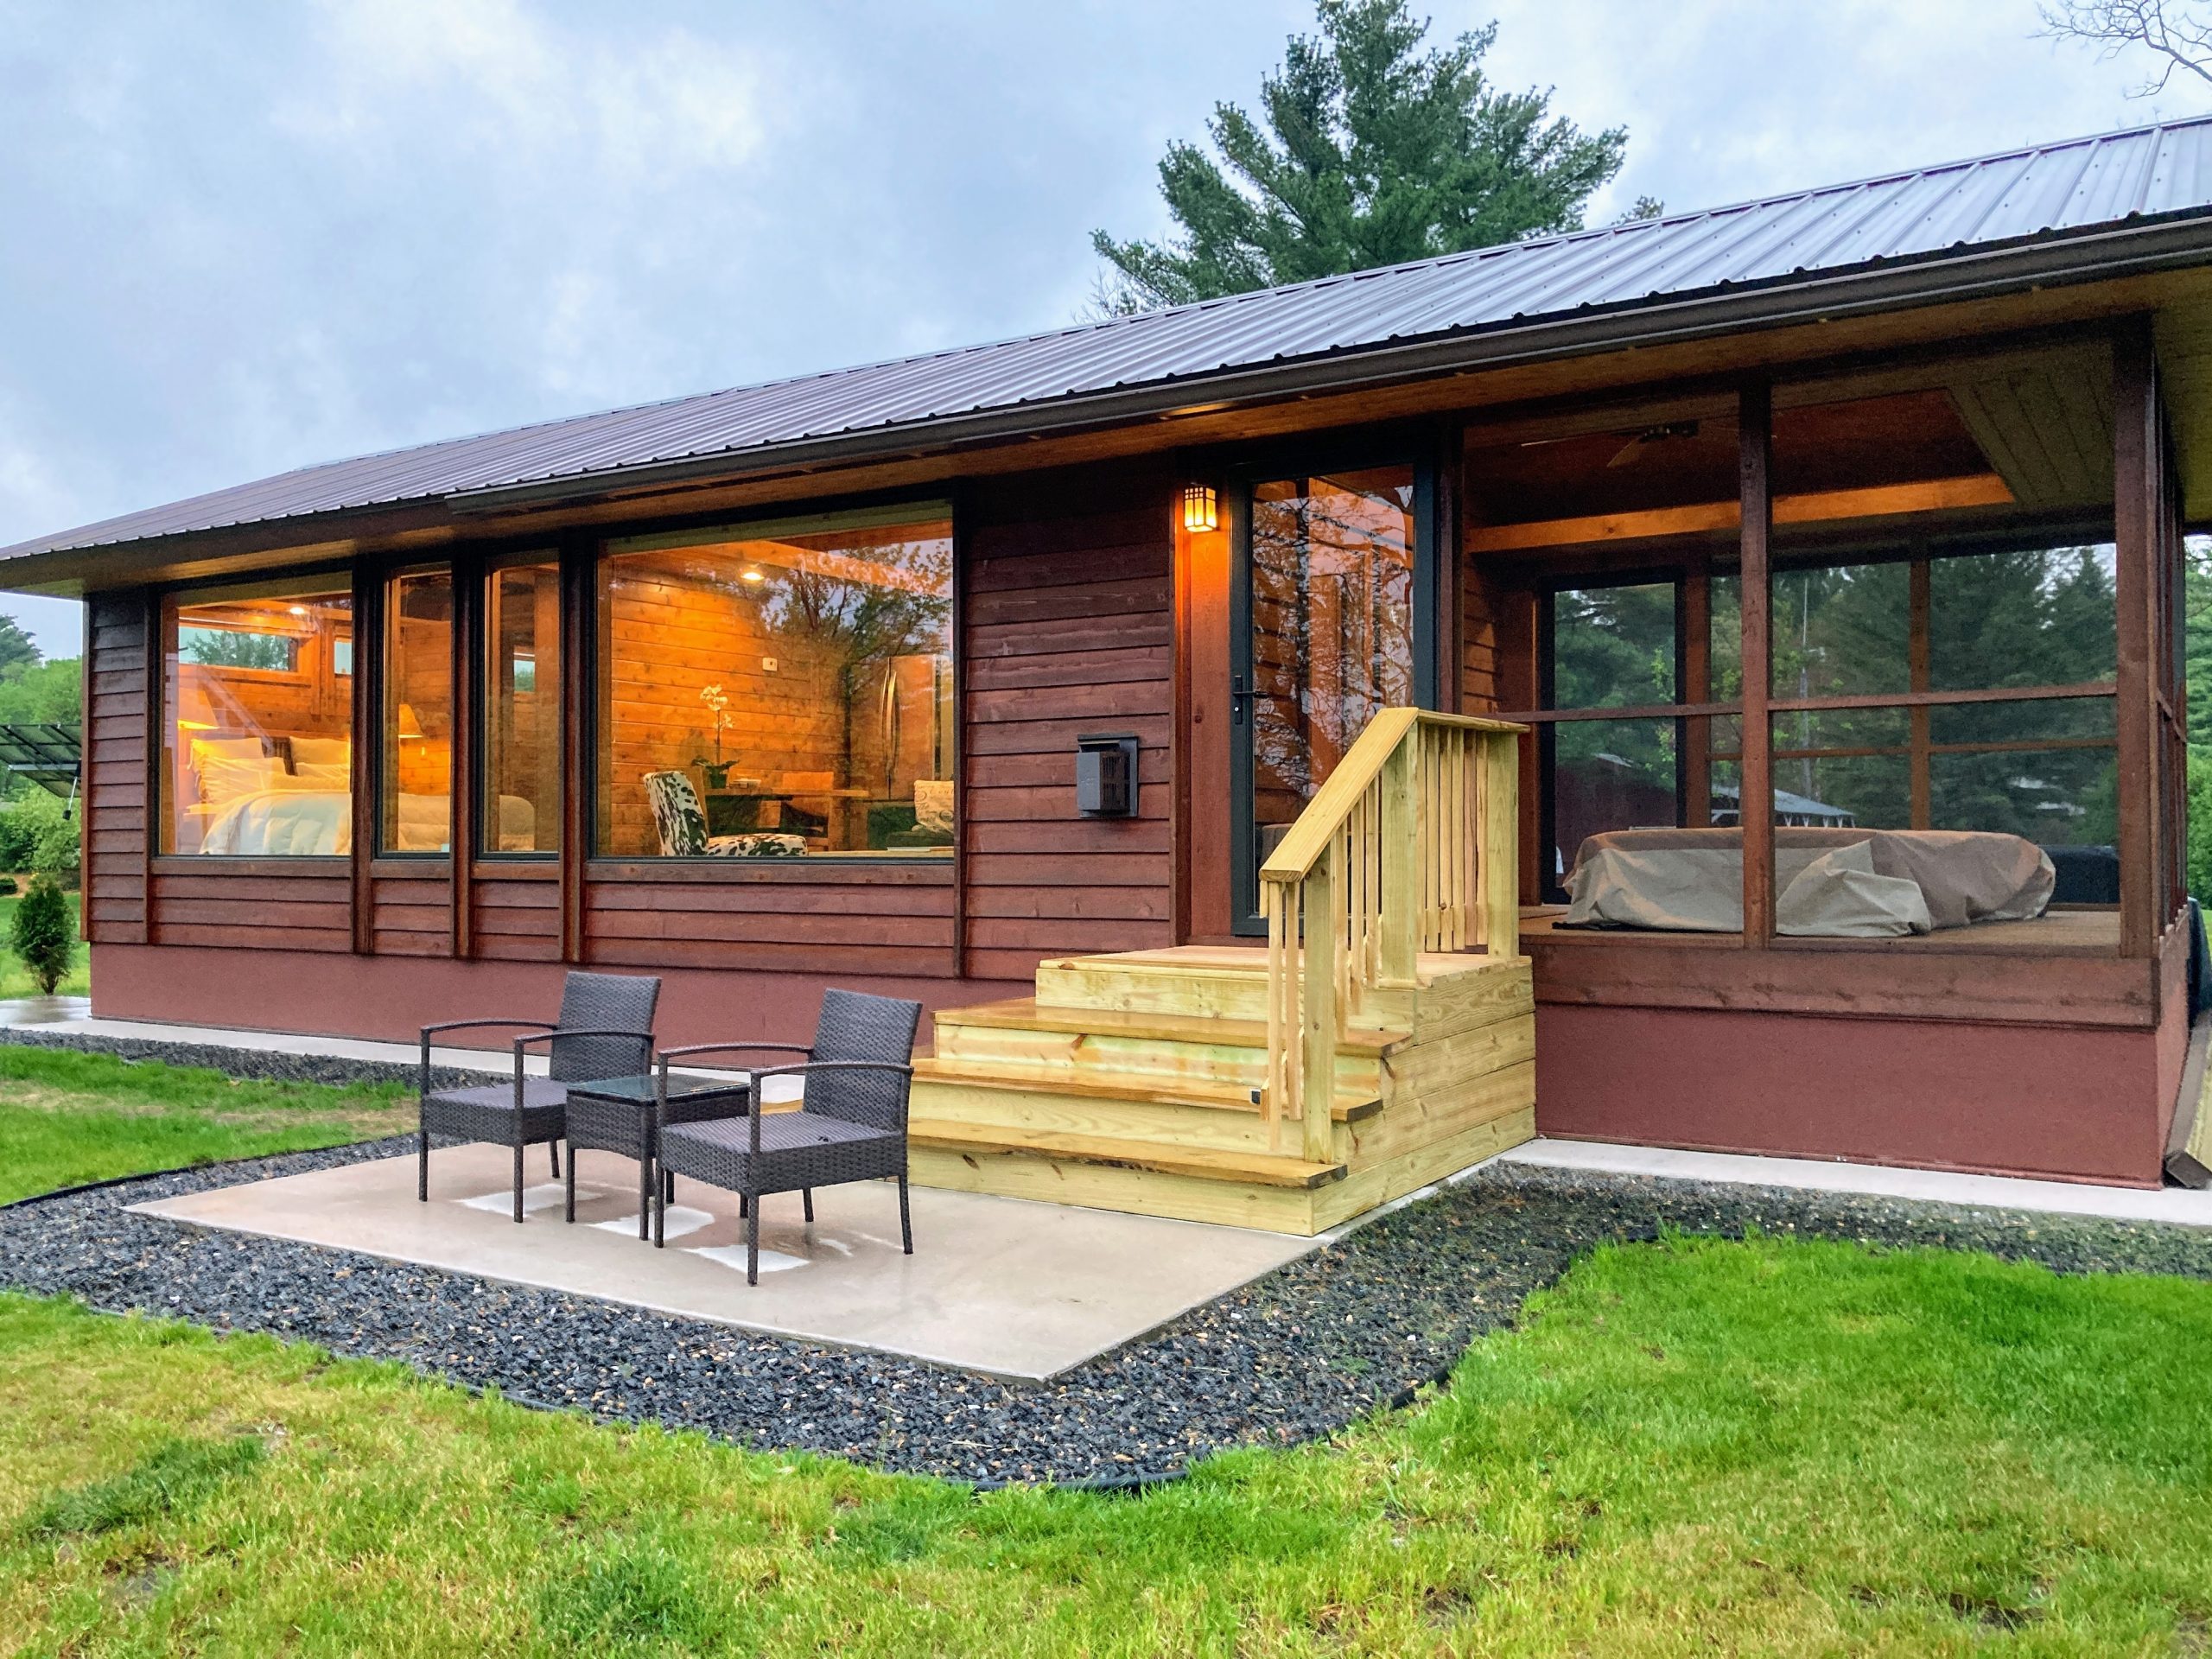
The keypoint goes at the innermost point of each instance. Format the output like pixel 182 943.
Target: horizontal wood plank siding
pixel 118 819
pixel 516 915
pixel 872 919
pixel 252 909
pixel 411 915
pixel 1068 628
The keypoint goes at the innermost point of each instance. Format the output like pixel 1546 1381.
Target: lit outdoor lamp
pixel 1201 508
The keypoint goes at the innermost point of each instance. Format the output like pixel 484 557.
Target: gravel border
pixel 1292 1356
pixel 264 1065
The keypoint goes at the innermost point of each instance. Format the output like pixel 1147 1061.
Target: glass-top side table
pixel 616 1114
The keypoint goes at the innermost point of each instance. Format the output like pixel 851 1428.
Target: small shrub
pixel 41 832
pixel 42 933
pixel 7 888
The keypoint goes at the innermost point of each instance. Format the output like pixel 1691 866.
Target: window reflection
pixel 258 720
pixel 777 692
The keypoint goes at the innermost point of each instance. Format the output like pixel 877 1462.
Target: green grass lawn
pixel 15 979
pixel 1771 1446
pixel 67 1117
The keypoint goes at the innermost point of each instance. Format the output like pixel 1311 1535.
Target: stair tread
pixel 1261 1168
pixel 1350 1105
pixel 1026 1013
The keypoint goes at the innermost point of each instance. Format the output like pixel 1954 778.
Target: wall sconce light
pixel 1201 507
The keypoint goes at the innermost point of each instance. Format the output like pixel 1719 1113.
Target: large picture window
pixel 258 720
pixel 522 710
pixel 778 691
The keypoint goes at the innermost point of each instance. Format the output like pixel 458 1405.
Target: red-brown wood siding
pixel 517 912
pixel 864 919
pixel 1067 614
pixel 116 732
pixel 411 910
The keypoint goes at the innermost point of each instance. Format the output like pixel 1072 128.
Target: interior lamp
pixel 410 727
pixel 1201 507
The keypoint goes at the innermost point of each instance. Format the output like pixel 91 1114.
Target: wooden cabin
pixel 1295 745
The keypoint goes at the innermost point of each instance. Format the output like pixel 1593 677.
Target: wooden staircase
pixel 1128 1082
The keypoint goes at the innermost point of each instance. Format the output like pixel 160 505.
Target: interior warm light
pixel 299 610
pixel 1201 507
pixel 752 573
pixel 410 725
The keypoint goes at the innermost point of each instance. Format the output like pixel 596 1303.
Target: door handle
pixel 1238 697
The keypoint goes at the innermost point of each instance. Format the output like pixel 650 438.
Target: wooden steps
pixel 1263 1169
pixel 1126 1083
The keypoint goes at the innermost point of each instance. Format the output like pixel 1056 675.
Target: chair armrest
pixel 906 1072
pixel 423 1085
pixel 734 1048
pixel 558 1032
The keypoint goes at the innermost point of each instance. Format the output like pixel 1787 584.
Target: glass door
pixel 1332 623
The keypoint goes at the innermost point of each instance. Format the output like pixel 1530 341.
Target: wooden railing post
pixel 1400 922
pixel 1498 835
pixel 1319 1014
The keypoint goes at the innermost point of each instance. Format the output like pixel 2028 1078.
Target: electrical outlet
pixel 767 664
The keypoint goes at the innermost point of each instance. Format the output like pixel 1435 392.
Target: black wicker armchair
pixel 605 1030
pixel 851 1126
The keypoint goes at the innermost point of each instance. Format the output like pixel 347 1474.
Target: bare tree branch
pixel 2179 31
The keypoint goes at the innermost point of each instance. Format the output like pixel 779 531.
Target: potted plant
pixel 717 772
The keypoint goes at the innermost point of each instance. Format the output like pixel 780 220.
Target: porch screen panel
pixel 521 810
pixel 415 745
pixel 258 720
pixel 1332 623
pixel 779 690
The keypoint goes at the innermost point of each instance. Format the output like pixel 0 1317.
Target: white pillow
pixel 224 768
pixel 321 752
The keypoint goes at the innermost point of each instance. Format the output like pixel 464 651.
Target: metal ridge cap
pixel 1954 273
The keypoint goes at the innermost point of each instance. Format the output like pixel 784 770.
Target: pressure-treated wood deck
pixel 1127 1084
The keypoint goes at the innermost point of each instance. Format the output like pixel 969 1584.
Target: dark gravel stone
pixel 260 1064
pixel 1291 1357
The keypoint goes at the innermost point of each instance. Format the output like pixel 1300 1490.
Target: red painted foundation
pixel 2072 1103
pixel 391 998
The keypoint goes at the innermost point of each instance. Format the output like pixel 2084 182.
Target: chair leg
pixel 806 1197
pixel 660 1218
pixel 905 1219
pixel 668 1177
pixel 752 1243
pixel 571 1179
pixel 422 1164
pixel 517 1180
pixel 554 1149
pixel 644 1189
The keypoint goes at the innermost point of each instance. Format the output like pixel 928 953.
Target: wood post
pixel 2135 497
pixel 1754 481
pixel 1401 919
pixel 1498 833
pixel 367 753
pixel 1319 1012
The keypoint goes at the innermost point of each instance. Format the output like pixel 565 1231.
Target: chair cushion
pixel 779 1132
pixel 537 1095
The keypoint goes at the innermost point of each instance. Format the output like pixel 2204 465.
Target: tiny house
pixel 1714 682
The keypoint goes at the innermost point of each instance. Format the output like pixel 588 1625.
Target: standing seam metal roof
pixel 2049 190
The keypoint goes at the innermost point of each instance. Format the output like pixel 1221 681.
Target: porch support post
pixel 579 670
pixel 367 754
pixel 1755 482
pixel 2135 506
pixel 1320 1014
pixel 468 579
pixel 1400 919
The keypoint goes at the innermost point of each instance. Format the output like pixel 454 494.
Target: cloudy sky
pixel 238 238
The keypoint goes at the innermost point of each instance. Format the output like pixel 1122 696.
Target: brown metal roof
pixel 2051 193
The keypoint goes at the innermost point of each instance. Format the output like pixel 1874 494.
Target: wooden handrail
pixel 1410 846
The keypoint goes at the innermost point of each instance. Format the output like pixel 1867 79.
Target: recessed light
pixel 750 574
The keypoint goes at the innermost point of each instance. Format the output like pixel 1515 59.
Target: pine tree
pixel 1379 153
pixel 41 934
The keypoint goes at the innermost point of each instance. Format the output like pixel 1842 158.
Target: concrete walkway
pixel 2173 1203
pixel 72 1016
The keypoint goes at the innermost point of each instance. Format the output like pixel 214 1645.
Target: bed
pixel 291 798
pixel 1829 883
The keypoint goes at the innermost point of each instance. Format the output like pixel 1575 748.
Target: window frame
pixel 573 759
pixel 384 799
pixel 590 742
pixel 323 577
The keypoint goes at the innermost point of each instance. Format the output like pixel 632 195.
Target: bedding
pixel 1829 883
pixel 306 821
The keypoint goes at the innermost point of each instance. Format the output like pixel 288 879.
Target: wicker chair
pixel 605 1030
pixel 852 1125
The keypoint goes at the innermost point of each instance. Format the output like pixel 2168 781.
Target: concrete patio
pixel 999 1286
